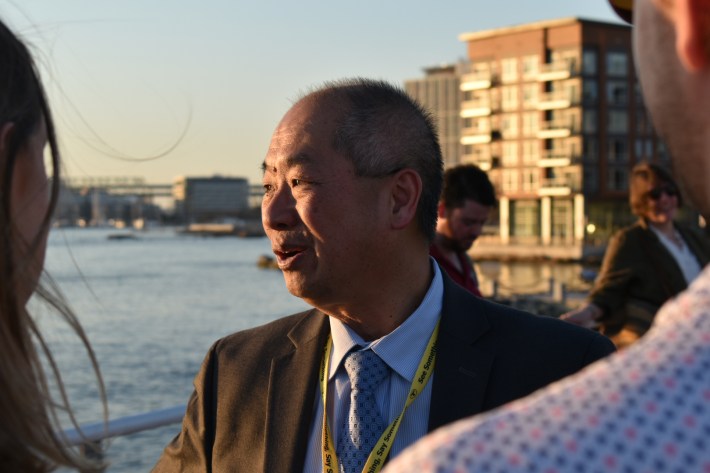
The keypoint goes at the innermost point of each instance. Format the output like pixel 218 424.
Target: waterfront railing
pixel 90 437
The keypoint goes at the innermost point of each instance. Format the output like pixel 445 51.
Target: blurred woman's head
pixel 26 206
pixel 28 421
pixel 653 195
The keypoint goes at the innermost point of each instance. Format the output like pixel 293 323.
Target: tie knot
pixel 365 369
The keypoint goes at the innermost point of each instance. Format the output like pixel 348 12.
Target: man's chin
pixel 297 285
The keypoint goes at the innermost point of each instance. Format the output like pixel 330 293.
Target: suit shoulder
pixel 263 337
pixel 517 324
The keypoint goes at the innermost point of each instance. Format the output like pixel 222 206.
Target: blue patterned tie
pixel 364 424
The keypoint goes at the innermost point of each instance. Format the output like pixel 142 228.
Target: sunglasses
pixel 623 8
pixel 656 192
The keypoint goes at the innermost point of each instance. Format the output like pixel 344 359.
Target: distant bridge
pixel 128 185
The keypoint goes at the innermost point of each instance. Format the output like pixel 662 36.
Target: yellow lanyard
pixel 377 457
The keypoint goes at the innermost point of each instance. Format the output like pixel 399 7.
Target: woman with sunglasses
pixel 29 426
pixel 646 263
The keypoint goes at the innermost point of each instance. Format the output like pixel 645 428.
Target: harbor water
pixel 152 306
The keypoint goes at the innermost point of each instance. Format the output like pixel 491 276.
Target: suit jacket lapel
pixel 462 369
pixel 292 389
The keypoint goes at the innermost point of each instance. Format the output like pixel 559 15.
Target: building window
pixel 510 180
pixel 531 151
pixel 617 92
pixel 590 90
pixel 530 93
pixel 617 63
pixel 531 179
pixel 618 151
pixel 562 214
pixel 568 118
pixel 480 126
pixel 567 57
pixel 591 179
pixel 643 148
pixel 509 98
pixel 589 62
pixel 618 121
pixel 649 147
pixel 531 123
pixel 590 149
pixel 530 66
pixel 510 69
pixel 509 126
pixel 590 121
pixel 618 178
pixel 526 218
pixel 481 154
pixel 510 153
pixel 663 153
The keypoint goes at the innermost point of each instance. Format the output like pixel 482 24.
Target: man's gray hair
pixel 384 130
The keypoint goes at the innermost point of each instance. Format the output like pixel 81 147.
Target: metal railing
pixel 90 436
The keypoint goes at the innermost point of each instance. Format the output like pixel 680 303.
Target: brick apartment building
pixel 553 111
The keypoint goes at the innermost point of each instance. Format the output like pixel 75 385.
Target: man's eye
pixel 268 187
pixel 296 182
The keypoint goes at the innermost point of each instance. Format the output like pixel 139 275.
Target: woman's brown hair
pixel 30 435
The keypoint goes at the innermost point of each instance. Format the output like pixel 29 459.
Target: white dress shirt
pixel 688 263
pixel 402 350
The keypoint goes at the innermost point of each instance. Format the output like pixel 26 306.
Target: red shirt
pixel 467 279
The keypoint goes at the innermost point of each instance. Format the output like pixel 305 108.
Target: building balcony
pixel 557 129
pixel 476 108
pixel 558 186
pixel 483 161
pixel 558 71
pixel 557 158
pixel 557 100
pixel 477 80
pixel 475 137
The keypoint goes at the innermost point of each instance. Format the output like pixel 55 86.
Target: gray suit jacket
pixel 254 395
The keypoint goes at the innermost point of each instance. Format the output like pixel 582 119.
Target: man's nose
pixel 278 210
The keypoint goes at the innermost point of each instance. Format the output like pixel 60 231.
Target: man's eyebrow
pixel 290 161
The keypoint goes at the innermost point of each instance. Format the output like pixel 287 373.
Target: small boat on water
pixel 267 262
pixel 122 236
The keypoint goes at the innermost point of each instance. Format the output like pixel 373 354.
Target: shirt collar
pixel 402 348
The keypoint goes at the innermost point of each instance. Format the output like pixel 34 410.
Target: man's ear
pixel 406 190
pixel 692 24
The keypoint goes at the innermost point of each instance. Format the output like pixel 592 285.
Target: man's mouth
pixel 288 255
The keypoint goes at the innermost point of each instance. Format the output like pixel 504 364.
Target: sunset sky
pixel 200 85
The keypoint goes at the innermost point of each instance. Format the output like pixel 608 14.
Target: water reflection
pixel 520 278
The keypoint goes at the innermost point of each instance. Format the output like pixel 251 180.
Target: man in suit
pixel 352 179
pixel 464 207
